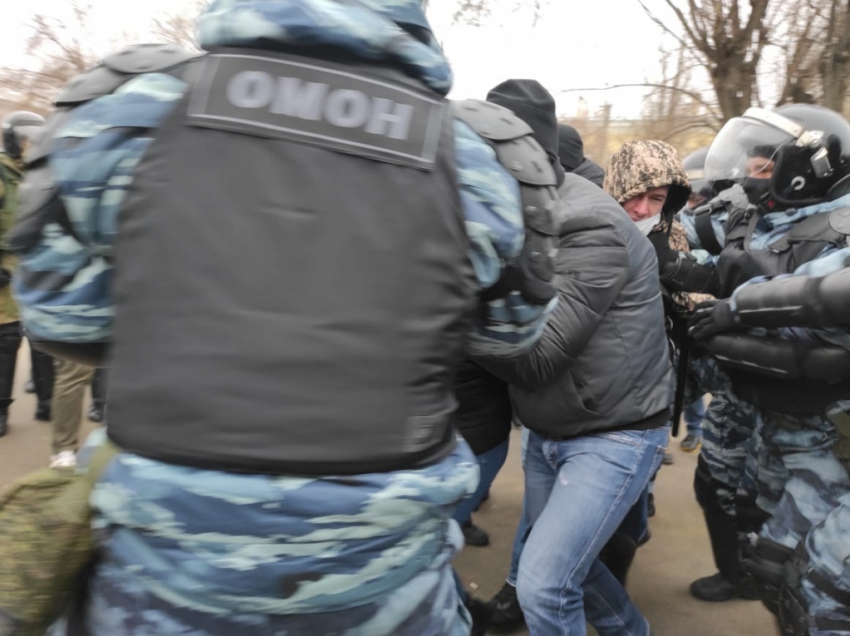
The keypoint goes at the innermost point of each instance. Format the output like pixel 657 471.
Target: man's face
pixel 646 205
pixel 694 200
pixel 760 167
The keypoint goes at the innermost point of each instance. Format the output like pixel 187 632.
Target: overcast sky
pixel 575 44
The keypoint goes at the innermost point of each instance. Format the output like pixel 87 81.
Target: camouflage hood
pixel 642 165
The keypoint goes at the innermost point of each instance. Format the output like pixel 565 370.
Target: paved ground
pixel 678 552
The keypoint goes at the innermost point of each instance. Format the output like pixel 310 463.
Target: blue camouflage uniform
pixel 207 553
pixel 804 484
pixel 729 423
pixel 797 446
pixel 793 471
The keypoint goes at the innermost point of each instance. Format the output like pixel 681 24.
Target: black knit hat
pixel 534 105
pixel 570 147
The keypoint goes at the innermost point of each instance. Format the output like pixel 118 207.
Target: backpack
pixel 45 543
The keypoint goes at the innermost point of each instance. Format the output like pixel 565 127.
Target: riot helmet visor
pixel 745 148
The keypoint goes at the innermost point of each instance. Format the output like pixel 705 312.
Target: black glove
pixel 711 317
pixel 5 277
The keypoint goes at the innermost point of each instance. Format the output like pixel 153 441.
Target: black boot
pixel 473 535
pixel 730 582
pixel 718 589
pixel 10 340
pixel 97 410
pixel 618 555
pixel 43 376
pixel 506 614
pixel 481 613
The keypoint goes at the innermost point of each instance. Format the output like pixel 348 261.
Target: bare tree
pixel 672 109
pixel 57 51
pixel 729 38
pixel 835 59
pixel 474 12
pixel 179 28
pixel 801 23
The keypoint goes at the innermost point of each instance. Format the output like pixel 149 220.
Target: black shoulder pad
pixel 90 85
pixel 41 146
pixel 735 196
pixel 511 138
pixel 148 58
pixel 493 122
pixel 839 220
pixel 118 68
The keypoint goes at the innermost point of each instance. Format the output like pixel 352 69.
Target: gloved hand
pixel 668 258
pixel 711 317
pixel 5 277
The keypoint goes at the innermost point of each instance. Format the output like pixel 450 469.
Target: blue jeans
pixel 694 415
pixel 636 523
pixel 578 492
pixel 524 524
pixel 489 465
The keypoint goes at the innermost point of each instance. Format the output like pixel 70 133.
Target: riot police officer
pixel 313 240
pixel 794 162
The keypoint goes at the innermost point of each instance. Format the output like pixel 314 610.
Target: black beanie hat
pixel 534 105
pixel 570 147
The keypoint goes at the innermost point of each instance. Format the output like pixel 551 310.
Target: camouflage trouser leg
pixel 816 479
pixel 727 429
pixel 828 547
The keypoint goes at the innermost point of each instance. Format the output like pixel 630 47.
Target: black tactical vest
pixel 293 287
pixel 739 262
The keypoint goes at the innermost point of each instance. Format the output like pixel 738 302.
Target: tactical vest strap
pixel 705 229
pixel 518 151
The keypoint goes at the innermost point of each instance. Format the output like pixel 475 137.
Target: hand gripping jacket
pixel 41 208
pixel 517 150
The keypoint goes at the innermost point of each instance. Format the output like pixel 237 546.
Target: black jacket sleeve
pixel 592 266
pixel 680 272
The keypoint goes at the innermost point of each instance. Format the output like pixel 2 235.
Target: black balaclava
pixel 570 147
pixel 758 190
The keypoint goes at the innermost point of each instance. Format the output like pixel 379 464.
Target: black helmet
pixel 17 127
pixel 694 165
pixel 805 147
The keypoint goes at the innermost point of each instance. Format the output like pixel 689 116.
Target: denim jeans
pixel 524 524
pixel 694 415
pixel 578 492
pixel 489 465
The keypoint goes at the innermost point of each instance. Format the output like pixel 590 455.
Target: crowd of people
pixel 324 294
pixel 59 385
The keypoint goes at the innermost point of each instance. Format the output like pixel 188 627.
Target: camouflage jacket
pixel 10 176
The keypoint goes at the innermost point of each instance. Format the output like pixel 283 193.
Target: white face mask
pixel 646 225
